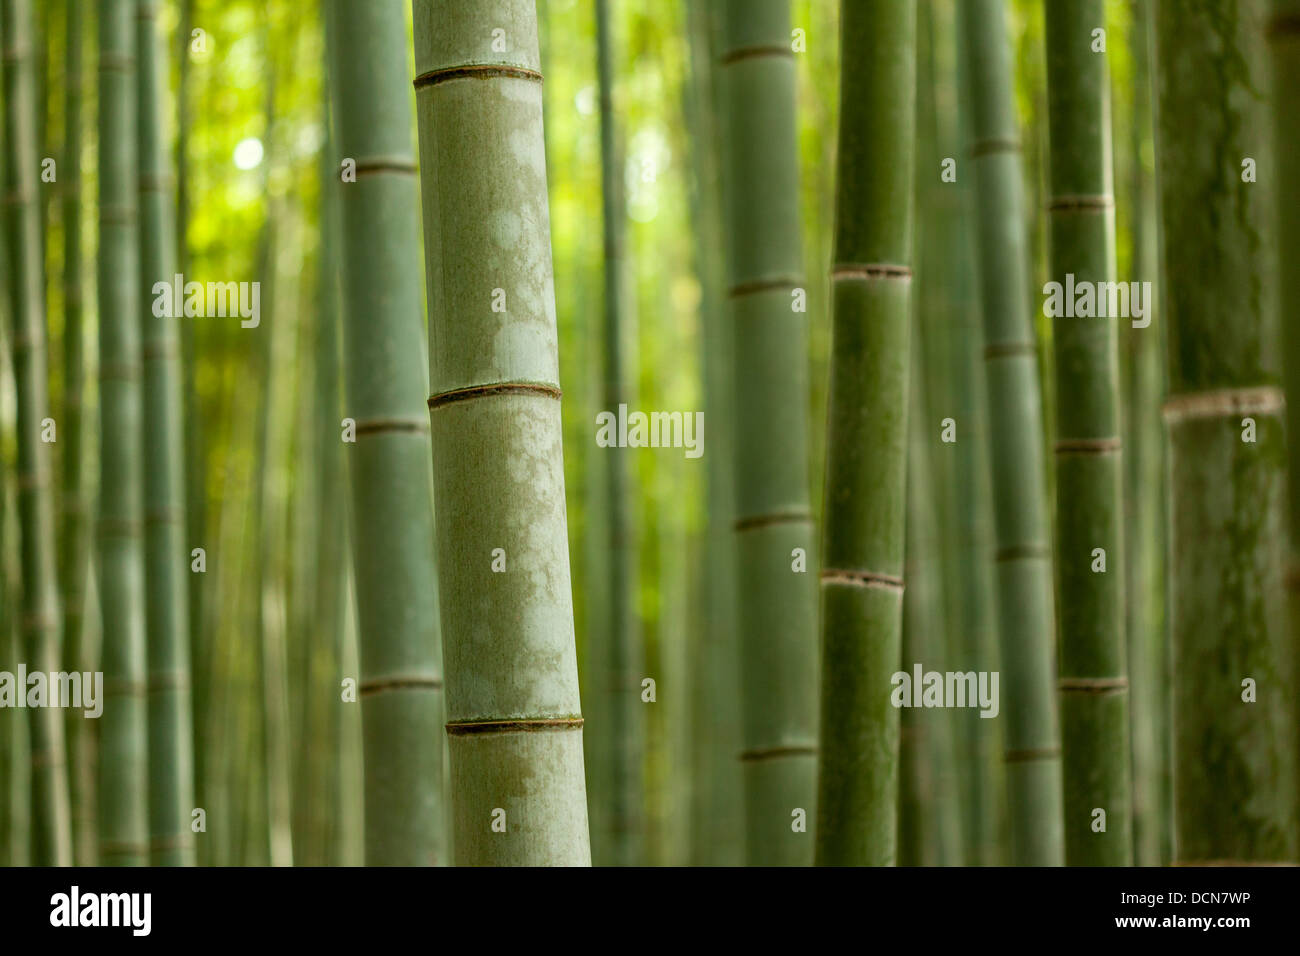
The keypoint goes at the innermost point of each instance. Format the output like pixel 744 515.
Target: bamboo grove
pixel 751 432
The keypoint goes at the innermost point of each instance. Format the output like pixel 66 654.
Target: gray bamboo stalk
pixel 1093 682
pixel 866 446
pixel 39 621
pixel 617 805
pixel 74 543
pixel 123 799
pixel 716 829
pixel 777 611
pixel 1235 773
pixel 393 527
pixel 515 745
pixel 167 559
pixel 1021 528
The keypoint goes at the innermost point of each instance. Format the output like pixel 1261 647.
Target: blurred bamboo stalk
pixel 1234 712
pixel 123 742
pixel 1021 528
pixel 74 540
pixel 167 562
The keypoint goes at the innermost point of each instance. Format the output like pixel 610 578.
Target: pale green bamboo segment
pixel 1022 556
pixel 171 762
pixel 391 468
pixel 38 621
pixel 617 804
pixel 74 534
pixel 1093 683
pixel 514 720
pixel 1234 710
pixel 866 447
pixel 123 797
pixel 776 610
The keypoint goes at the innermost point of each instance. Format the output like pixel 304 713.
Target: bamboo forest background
pixel 252 138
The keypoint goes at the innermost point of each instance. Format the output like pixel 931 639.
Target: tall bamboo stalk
pixel 866 448
pixel 1284 34
pixel 1021 526
pixel 1144 504
pixel 15 767
pixel 777 611
pixel 167 560
pixel 515 745
pixel 392 531
pixel 1093 683
pixel 953 387
pixel 716 829
pixel 74 540
pixel 1235 774
pixel 40 620
pixel 617 804
pixel 929 813
pixel 123 799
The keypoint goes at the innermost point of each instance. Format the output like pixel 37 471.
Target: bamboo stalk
pixel 1021 528
pixel 123 798
pixel 716 829
pixel 777 611
pixel 39 623
pixel 393 526
pixel 1235 773
pixel 866 456
pixel 171 765
pixel 1145 493
pixel 74 541
pixel 617 803
pixel 515 746
pixel 1089 501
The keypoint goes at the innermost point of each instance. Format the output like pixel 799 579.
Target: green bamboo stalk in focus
pixel 167 560
pixel 39 620
pixel 517 788
pixel 1093 682
pixel 618 802
pixel 1235 773
pixel 74 532
pixel 866 449
pixel 123 798
pixel 1021 528
pixel 777 611
pixel 392 531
